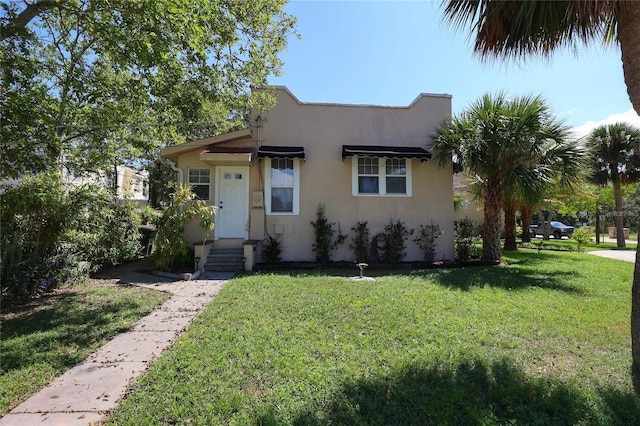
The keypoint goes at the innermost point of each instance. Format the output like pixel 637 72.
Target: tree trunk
pixel 546 226
pixel 617 191
pixel 527 213
pixel 629 38
pixel 510 228
pixel 491 225
pixel 598 231
pixel 635 314
pixel 114 184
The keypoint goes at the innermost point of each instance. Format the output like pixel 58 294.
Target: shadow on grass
pixel 506 278
pixel 471 392
pixel 526 269
pixel 63 322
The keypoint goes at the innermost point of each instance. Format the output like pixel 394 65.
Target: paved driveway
pixel 626 255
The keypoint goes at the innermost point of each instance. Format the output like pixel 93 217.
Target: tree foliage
pixel 615 150
pixel 510 145
pixel 514 29
pixel 99 82
pixel 171 248
pixel 46 228
pixel 324 244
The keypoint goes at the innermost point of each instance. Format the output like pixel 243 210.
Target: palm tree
pixel 616 159
pixel 516 29
pixel 496 139
pixel 557 166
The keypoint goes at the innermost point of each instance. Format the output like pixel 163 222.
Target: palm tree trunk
pixel 629 38
pixel 527 213
pixel 617 191
pixel 510 228
pixel 491 226
pixel 635 314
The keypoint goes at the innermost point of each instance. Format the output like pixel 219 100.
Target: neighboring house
pixel 363 162
pixel 132 184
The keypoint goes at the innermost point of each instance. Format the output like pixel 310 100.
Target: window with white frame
pixel 200 182
pixel 282 186
pixel 381 176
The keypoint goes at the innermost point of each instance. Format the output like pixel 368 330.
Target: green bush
pixel 361 241
pixel 148 214
pixel 464 239
pixel 26 275
pixel 47 227
pixel 323 229
pixel 171 247
pixel 271 249
pixel 426 240
pixel 34 217
pixel 397 233
pixel 582 237
pixel 109 233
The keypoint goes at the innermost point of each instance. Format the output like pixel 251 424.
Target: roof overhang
pixel 227 156
pixel 173 152
pixel 270 151
pixel 385 151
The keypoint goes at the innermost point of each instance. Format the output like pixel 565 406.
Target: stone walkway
pixel 90 389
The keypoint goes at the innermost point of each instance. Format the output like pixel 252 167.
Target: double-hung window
pixel 381 176
pixel 200 182
pixel 282 186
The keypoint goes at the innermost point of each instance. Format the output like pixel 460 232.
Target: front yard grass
pixel 541 340
pixel 565 243
pixel 47 337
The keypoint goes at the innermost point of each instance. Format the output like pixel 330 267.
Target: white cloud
pixel 629 117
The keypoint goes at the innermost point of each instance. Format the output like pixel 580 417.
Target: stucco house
pixel 363 162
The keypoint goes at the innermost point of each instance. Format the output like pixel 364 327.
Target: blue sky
pixel 386 53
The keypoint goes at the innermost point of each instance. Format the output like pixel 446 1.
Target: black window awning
pixel 281 152
pixel 385 151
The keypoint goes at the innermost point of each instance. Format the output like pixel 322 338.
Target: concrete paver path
pixel 83 394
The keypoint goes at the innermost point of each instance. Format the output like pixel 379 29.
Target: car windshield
pixel 558 225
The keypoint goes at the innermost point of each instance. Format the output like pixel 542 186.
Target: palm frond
pixel 514 29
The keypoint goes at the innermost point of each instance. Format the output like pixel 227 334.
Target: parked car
pixel 558 230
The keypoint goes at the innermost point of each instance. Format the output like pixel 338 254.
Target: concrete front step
pixel 225 259
pixel 224 267
pixel 214 258
pixel 214 251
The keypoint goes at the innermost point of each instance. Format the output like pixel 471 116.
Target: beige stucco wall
pixel 326 178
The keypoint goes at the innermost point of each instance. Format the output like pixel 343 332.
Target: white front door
pixel 232 199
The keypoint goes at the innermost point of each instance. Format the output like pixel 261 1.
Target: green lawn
pixel 542 340
pixel 44 339
pixel 573 244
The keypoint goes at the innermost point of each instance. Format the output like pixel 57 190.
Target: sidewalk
pixel 626 255
pixel 90 389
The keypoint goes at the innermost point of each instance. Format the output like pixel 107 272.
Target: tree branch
pixel 23 18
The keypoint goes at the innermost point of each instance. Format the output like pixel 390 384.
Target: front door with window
pixel 232 199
